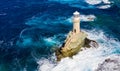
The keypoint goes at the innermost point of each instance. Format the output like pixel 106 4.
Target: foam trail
pixel 94 2
pixel 55 40
pixel 52 40
pixel 104 7
pixel 81 3
pixel 106 1
pixel 87 18
pixel 88 59
pixel 84 18
pixel 23 32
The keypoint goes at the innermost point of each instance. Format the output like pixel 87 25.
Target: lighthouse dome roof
pixel 76 13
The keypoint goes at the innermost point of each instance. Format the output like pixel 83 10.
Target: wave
pixel 88 18
pixel 104 7
pixel 106 1
pixel 94 2
pixel 86 60
pixel 74 3
pixel 85 4
pixel 55 40
pixel 84 18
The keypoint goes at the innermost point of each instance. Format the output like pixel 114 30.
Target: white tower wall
pixel 76 22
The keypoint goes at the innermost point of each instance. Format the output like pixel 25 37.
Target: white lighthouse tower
pixel 75 39
pixel 76 22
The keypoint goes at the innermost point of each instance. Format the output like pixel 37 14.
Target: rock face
pixel 70 48
pixel 110 64
pixel 72 45
pixel 76 39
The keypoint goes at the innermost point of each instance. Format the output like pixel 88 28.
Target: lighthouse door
pixel 74 30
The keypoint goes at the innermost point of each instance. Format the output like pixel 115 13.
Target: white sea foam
pixel 94 2
pixel 106 1
pixel 49 40
pixel 104 7
pixel 45 65
pixel 86 60
pixel 74 3
pixel 81 3
pixel 85 18
pixel 112 63
pixel 52 40
pixel 56 40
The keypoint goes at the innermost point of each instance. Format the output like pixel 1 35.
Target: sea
pixel 31 30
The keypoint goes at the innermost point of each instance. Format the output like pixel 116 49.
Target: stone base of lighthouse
pixel 73 44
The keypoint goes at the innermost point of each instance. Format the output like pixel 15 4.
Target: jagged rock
pixel 90 43
pixel 110 64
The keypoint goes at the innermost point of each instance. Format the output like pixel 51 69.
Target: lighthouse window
pixel 76 15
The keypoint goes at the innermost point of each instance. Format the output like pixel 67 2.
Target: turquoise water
pixel 29 30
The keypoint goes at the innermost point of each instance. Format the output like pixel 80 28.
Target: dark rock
pixel 90 43
pixel 110 64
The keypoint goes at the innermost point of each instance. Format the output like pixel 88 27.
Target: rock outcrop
pixel 76 39
pixel 110 64
pixel 70 48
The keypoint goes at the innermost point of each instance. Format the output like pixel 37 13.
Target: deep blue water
pixel 25 23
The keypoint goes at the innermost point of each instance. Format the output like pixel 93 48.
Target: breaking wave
pixel 82 3
pixel 84 18
pixel 94 2
pixel 86 60
pixel 104 7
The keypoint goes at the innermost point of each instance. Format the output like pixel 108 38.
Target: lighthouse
pixel 75 40
pixel 76 22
